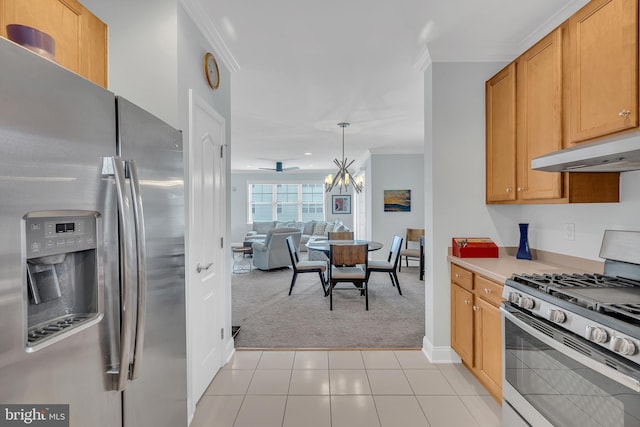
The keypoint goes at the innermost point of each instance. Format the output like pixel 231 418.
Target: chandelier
pixel 343 176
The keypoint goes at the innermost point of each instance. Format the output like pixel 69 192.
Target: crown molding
pixel 552 23
pixel 491 54
pixel 423 60
pixel 507 53
pixel 200 17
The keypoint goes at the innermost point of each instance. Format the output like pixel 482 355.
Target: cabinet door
pixel 501 135
pixel 539 117
pixel 488 346
pixel 603 62
pixel 462 323
pixel 80 37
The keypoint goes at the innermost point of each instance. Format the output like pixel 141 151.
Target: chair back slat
pixel 349 254
pixel 340 235
pixel 394 253
pixel 293 253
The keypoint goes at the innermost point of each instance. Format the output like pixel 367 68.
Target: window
pixel 286 202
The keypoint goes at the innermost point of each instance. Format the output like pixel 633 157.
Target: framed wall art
pixel 397 200
pixel 341 204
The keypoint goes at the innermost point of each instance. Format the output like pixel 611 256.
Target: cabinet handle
pixel 624 113
pixel 467 302
pixel 476 308
pixel 487 290
pixel 520 189
pixel 508 190
pixel 458 275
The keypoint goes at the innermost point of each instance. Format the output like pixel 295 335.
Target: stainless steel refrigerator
pixel 92 290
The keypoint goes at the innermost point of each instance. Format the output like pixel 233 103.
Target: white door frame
pixel 194 254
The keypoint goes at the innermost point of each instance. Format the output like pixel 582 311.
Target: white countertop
pixel 500 269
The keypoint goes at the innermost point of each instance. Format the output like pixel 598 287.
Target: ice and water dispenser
pixel 63 294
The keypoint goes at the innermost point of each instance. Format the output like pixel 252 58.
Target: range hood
pixel 616 154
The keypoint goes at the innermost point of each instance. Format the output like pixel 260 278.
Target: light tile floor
pixel 343 388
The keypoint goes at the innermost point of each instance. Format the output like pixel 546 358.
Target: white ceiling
pixel 300 67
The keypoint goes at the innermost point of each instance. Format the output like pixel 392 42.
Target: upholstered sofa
pixel 273 252
pixel 308 229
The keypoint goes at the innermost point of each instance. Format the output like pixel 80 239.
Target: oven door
pixel 552 377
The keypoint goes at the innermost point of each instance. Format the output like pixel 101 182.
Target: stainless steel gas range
pixel 571 343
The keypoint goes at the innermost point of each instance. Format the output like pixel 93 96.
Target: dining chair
pixel 412 246
pixel 390 265
pixel 305 266
pixel 340 235
pixel 348 264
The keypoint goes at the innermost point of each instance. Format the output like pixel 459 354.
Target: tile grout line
pixel 244 397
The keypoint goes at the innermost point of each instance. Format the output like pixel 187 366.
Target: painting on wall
pixel 397 200
pixel 341 204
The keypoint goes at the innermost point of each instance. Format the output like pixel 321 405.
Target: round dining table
pixel 325 245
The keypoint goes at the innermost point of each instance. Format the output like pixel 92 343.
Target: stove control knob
pixel 623 346
pixel 597 334
pixel 557 316
pixel 514 298
pixel 526 303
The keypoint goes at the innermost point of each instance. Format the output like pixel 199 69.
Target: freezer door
pixel 157 392
pixel 55 130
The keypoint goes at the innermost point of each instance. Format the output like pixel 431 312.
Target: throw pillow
pixel 319 228
pixel 341 227
pixel 308 227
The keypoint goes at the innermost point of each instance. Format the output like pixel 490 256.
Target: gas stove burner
pixel 546 282
pixel 612 296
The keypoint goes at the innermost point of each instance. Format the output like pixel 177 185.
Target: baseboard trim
pixel 439 354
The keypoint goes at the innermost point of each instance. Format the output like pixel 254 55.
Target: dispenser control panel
pixel 52 235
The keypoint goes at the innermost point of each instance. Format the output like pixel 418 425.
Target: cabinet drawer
pixel 488 290
pixel 462 277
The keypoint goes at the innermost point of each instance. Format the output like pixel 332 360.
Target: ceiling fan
pixel 280 169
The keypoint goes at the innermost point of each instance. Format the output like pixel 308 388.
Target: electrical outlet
pixel 570 231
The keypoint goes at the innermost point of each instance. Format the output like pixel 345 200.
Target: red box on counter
pixel 474 247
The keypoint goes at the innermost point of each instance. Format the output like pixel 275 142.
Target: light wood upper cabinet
pixel 501 135
pixel 527 115
pixel 539 116
pixel 603 75
pixel 80 37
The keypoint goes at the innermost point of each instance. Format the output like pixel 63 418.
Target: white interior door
pixel 206 261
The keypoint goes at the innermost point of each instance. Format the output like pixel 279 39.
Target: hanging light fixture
pixel 343 176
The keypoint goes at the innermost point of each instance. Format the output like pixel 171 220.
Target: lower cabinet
pixel 476 326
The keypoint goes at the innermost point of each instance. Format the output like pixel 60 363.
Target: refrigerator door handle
pixel 126 305
pixel 141 253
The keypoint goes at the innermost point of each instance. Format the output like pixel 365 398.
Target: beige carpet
pixel 269 318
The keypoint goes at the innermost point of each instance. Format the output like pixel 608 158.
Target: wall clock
pixel 211 70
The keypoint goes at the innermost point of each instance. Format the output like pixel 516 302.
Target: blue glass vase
pixel 523 248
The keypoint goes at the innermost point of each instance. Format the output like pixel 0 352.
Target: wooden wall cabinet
pixel 603 69
pixel 539 116
pixel 529 122
pixel 501 135
pixel 476 326
pixel 80 37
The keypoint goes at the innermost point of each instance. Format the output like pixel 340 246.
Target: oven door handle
pixel 608 372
